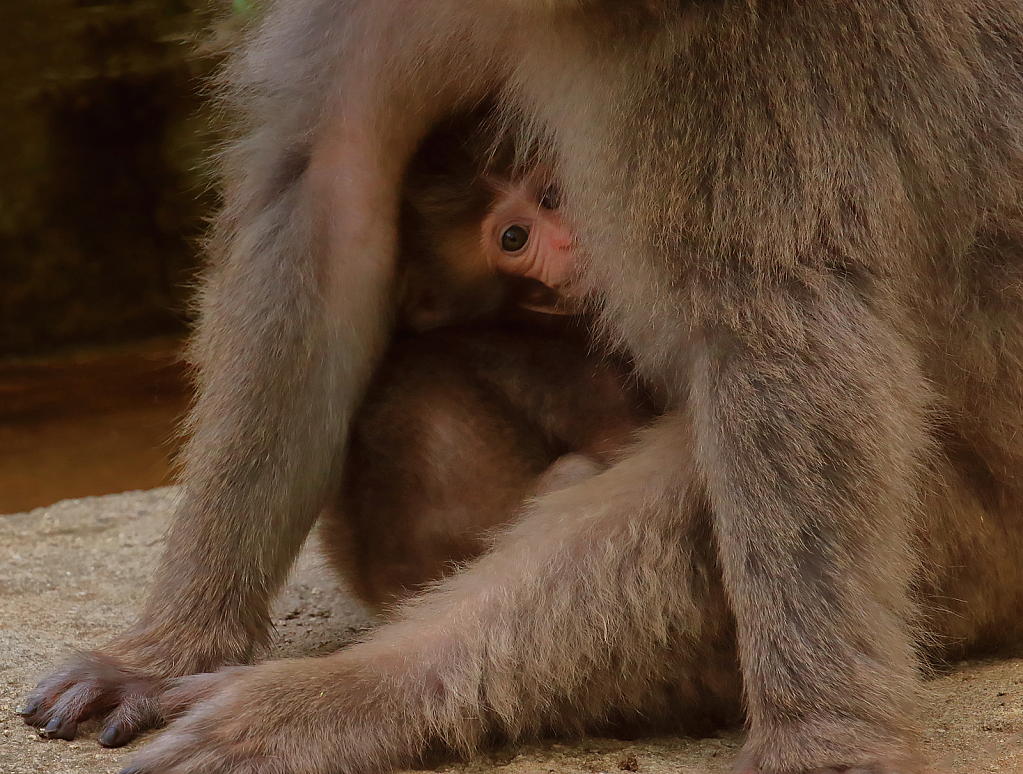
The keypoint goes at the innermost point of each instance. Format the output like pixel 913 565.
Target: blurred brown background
pixel 103 198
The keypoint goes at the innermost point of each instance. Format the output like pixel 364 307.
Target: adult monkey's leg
pixel 603 602
pixel 815 508
pixel 294 316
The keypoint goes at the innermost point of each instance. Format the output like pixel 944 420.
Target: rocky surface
pixel 71 575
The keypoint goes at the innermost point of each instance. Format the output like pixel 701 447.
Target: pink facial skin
pixel 524 237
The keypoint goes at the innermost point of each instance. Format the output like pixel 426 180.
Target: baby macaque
pixel 460 427
pixel 481 232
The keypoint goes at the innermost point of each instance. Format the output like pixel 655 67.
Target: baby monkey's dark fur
pixel 803 220
pixel 460 426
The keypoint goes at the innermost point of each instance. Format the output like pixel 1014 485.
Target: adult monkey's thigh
pixel 294 314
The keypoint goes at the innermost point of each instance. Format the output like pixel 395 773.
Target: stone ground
pixel 71 575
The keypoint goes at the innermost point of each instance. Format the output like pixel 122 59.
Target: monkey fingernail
pixel 58 729
pixel 28 709
pixel 115 736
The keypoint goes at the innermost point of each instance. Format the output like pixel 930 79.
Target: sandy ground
pixel 71 575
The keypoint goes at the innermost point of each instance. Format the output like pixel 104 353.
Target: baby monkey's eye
pixel 514 238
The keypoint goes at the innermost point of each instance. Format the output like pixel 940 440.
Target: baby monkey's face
pixel 513 252
pixel 524 235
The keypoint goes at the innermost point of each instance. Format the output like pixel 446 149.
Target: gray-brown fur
pixel 802 220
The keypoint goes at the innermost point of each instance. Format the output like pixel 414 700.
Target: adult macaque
pixel 802 220
pixel 460 426
pixel 473 216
